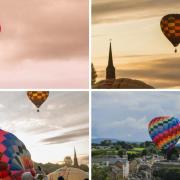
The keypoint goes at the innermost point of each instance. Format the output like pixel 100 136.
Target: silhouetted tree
pixel 84 167
pixel 93 74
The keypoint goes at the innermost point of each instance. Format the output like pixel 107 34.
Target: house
pixel 119 166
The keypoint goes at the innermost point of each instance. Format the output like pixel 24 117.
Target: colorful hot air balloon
pixel 68 173
pixel 38 97
pixel 165 132
pixel 170 26
pixel 15 159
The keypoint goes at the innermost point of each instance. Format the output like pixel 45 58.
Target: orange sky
pixel 140 49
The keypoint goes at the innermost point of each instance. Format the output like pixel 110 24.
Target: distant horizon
pixel 125 140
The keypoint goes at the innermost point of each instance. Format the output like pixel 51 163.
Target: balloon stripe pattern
pixel 164 131
pixel 15 159
pixel 170 26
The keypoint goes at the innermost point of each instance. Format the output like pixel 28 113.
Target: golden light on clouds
pixel 140 49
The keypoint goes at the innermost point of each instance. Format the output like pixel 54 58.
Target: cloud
pixel 70 111
pixel 63 113
pixel 70 136
pixel 44 44
pixel 84 158
pixel 159 72
pixel 125 115
pixel 108 11
pixel 44 30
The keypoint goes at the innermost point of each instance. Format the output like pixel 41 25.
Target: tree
pixel 93 74
pixel 68 161
pixel 144 152
pixel 100 173
pixel 173 154
pixel 120 152
pixel 106 142
pixel 84 167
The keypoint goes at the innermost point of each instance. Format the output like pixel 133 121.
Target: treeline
pixel 167 173
pixel 133 150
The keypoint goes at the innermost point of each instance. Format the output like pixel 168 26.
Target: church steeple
pixel 75 159
pixel 110 70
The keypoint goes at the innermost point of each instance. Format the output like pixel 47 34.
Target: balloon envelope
pixel 38 97
pixel 170 26
pixel 15 157
pixel 68 173
pixel 164 131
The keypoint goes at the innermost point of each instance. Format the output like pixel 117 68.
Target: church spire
pixel 110 70
pixel 75 159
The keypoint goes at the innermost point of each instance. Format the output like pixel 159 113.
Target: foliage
pixel 167 173
pixel 120 153
pixel 84 167
pixel 93 74
pixel 106 143
pixel 173 154
pixel 147 148
pixel 100 173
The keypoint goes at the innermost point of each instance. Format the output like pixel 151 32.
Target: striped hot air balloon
pixel 164 132
pixel 15 159
pixel 170 26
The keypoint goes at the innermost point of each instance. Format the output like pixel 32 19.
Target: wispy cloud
pixel 158 72
pixel 63 122
pixel 70 136
pixel 108 11
pixel 65 113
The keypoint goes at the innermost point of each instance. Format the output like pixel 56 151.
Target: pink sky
pixel 44 44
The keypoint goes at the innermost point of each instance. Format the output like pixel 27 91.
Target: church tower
pixel 75 159
pixel 110 70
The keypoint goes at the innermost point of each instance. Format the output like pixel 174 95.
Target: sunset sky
pixel 51 134
pixel 44 44
pixel 140 49
pixel 126 115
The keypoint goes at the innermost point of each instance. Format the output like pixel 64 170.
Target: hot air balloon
pixel 38 97
pixel 68 173
pixel 170 26
pixel 165 132
pixel 15 159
